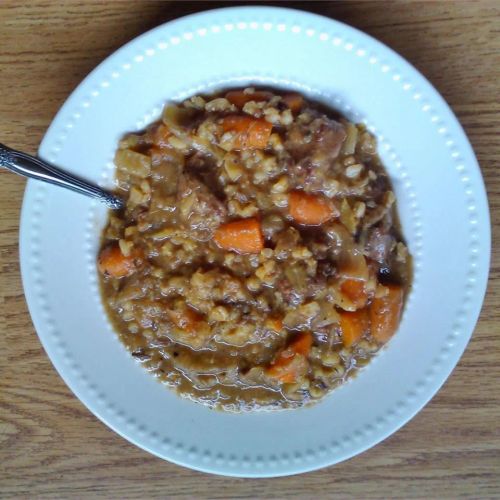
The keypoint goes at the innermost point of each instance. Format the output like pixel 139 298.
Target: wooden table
pixel 52 446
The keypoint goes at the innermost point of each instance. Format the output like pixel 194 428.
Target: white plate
pixel 442 204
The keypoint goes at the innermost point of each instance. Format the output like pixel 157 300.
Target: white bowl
pixel 441 199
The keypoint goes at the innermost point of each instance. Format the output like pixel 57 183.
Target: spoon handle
pixel 35 168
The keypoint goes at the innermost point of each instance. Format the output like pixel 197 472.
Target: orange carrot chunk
pixel 187 319
pixel 288 370
pixel 250 133
pixel 294 101
pixel 310 209
pixel 275 324
pixel 113 263
pixel 302 344
pixel 355 291
pixel 242 236
pixel 354 325
pixel 290 364
pixel 240 98
pixel 385 313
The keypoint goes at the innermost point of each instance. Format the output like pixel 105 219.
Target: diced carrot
pixel 187 319
pixel 310 209
pixel 291 362
pixel 355 291
pixel 240 98
pixel 161 135
pixel 302 344
pixel 274 323
pixel 385 313
pixel 354 325
pixel 113 263
pixel 294 101
pixel 237 123
pixel 241 236
pixel 251 133
pixel 288 370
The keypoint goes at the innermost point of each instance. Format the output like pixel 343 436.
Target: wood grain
pixel 51 446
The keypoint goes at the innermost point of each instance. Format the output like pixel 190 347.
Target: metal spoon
pixel 30 166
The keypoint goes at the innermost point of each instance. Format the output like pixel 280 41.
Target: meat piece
pixel 326 269
pixel 301 317
pixel 200 209
pixel 289 294
pixel 198 161
pixel 328 137
pixel 378 187
pixel 379 245
pixel 204 167
pixel 322 137
pixel 296 286
pixel 314 146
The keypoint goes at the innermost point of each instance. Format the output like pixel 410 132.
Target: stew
pixel 259 261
